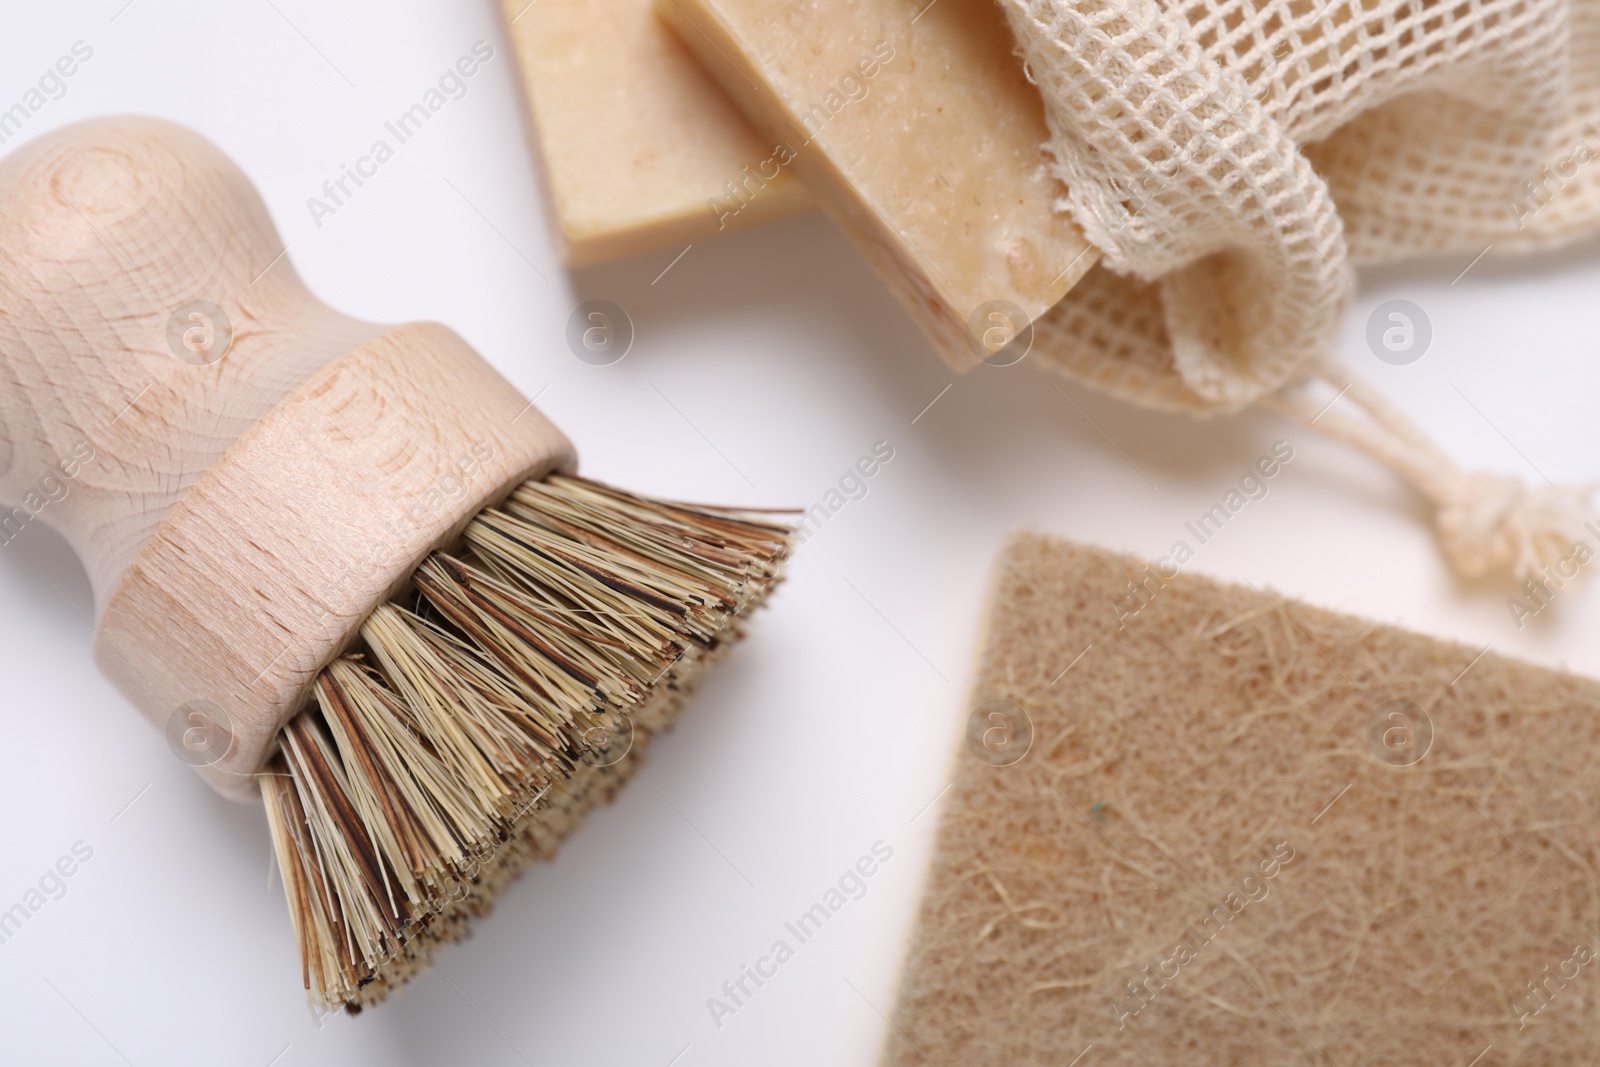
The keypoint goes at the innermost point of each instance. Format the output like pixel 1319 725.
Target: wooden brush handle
pixel 245 472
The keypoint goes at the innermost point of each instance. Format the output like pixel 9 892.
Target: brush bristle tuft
pixel 484 712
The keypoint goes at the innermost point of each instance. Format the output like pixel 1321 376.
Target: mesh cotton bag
pixel 1235 160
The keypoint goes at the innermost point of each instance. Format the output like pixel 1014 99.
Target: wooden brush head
pixel 245 472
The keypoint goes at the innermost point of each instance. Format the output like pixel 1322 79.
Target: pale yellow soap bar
pixel 640 149
pixel 914 125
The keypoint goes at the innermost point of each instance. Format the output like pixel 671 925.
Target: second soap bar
pixel 914 125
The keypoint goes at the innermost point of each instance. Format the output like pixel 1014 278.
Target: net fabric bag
pixel 1234 160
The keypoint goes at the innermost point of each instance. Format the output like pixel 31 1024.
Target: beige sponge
pixel 1197 823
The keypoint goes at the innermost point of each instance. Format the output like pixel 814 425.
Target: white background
pixel 831 728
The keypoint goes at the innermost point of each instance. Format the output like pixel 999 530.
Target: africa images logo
pixel 451 85
pixel 851 885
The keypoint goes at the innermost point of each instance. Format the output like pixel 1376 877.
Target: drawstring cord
pixel 1485 521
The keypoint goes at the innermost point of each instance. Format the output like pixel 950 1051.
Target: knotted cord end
pixel 1486 521
pixel 1493 521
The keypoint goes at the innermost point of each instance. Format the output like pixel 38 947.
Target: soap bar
pixel 640 149
pixel 914 125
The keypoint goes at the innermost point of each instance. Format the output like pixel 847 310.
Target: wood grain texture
pixel 106 228
pixel 239 510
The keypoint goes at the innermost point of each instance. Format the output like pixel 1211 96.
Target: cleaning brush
pixel 347 568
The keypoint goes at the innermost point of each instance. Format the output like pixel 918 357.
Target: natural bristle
pixel 481 717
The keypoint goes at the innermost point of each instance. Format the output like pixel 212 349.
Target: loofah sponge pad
pixel 1240 830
